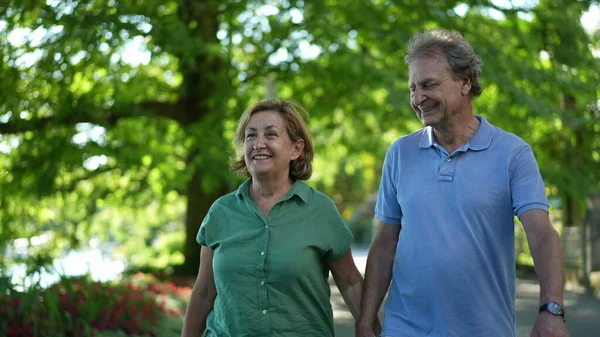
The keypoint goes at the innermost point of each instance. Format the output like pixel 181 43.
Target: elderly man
pixel 445 209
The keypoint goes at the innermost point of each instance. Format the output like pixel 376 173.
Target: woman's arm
pixel 202 298
pixel 348 280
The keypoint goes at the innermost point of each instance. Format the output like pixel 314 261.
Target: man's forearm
pixel 549 267
pixel 377 280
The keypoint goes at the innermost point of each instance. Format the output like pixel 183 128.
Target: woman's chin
pixel 260 172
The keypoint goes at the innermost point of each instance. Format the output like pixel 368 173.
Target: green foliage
pixel 80 307
pixel 98 140
pixel 169 326
pixel 163 251
pixel 523 254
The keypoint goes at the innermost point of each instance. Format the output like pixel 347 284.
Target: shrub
pixel 78 307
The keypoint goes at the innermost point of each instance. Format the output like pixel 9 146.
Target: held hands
pixel 548 325
pixel 364 331
pixel 368 330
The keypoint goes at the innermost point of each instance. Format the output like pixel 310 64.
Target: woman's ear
pixel 298 149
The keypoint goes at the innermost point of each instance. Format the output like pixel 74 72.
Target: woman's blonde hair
pixel 291 112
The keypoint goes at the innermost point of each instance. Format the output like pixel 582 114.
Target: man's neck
pixel 456 134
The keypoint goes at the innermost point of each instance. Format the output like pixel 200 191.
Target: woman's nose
pixel 259 143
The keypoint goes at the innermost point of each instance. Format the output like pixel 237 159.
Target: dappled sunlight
pixel 117 119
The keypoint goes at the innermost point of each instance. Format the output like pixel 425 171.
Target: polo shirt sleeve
pixel 207 234
pixel 339 236
pixel 387 208
pixel 526 183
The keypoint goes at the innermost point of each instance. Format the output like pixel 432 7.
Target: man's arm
pixel 202 298
pixel 544 244
pixel 377 277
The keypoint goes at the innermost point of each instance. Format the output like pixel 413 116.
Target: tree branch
pixel 72 185
pixel 107 118
pixel 511 10
pixel 260 66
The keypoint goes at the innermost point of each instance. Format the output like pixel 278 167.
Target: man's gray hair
pixel 455 48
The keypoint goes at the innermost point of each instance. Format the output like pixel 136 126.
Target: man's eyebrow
pixel 427 80
pixel 423 81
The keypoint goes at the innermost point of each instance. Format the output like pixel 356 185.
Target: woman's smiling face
pixel 268 149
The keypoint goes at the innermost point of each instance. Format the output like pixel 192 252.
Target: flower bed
pixel 140 305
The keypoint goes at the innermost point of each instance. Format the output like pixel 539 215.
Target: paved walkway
pixel 583 311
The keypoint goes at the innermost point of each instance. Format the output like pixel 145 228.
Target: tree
pixel 94 135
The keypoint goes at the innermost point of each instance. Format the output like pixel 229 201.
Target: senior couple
pixel 444 248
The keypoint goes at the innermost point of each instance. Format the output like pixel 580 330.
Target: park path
pixel 583 310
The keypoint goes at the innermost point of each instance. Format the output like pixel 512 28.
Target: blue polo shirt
pixel 454 269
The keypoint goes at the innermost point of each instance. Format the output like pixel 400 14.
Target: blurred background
pixel 117 121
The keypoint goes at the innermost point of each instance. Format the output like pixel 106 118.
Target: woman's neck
pixel 262 189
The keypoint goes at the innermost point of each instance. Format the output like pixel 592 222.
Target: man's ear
pixel 298 149
pixel 466 86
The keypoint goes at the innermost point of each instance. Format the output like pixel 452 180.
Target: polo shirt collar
pixel 427 139
pixel 481 140
pixel 298 188
pixel 484 135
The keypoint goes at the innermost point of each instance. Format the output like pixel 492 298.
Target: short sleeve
pixel 387 208
pixel 526 183
pixel 340 236
pixel 207 234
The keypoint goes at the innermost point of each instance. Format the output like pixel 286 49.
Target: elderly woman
pixel 268 247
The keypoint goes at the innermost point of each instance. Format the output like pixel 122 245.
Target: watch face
pixel 555 308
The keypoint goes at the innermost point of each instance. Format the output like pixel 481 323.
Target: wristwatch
pixel 553 308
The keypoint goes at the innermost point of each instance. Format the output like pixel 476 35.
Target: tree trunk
pixel 573 212
pixel 573 215
pixel 198 204
pixel 573 208
pixel 203 80
pixel 591 225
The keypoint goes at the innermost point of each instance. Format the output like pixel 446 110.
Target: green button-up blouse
pixel 271 273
